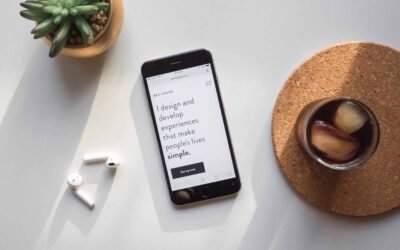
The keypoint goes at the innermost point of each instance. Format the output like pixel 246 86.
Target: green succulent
pixel 56 17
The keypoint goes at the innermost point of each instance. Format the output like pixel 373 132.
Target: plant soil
pixel 97 21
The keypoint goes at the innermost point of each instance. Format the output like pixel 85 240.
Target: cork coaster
pixel 364 71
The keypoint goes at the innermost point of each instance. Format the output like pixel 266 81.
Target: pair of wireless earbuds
pixel 75 180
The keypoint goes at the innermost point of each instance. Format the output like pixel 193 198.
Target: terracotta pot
pixel 104 40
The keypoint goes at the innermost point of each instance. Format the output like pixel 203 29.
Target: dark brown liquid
pixel 326 114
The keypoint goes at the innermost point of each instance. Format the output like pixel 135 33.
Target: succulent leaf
pixel 33 1
pixel 86 10
pixel 73 12
pixel 45 3
pixel 57 46
pixel 44 28
pixel 56 11
pixel 49 9
pixel 35 6
pixel 57 17
pixel 80 2
pixel 85 29
pixel 63 30
pixel 69 3
pixel 34 16
pixel 101 6
pixel 64 12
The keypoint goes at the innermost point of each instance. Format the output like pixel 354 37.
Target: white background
pixel 52 111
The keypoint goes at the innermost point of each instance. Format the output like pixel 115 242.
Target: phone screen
pixel 191 127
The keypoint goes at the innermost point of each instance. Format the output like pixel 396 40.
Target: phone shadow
pixel 72 210
pixel 171 217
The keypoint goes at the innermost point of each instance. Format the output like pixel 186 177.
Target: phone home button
pixel 204 192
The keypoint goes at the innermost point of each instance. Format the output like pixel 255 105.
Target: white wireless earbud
pixel 75 181
pixel 111 161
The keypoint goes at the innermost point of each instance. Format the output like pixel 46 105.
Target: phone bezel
pixel 180 62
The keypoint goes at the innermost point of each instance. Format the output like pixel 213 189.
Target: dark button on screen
pixel 187 170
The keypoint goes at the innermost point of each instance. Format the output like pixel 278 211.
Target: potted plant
pixel 76 28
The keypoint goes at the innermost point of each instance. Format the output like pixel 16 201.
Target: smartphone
pixel 191 128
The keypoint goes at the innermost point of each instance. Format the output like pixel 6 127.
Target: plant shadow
pixel 39 135
pixel 72 210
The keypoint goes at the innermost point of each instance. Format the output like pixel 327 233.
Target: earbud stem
pixel 95 158
pixel 84 197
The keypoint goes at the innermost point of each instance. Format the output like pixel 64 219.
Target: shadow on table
pixel 290 222
pixel 270 201
pixel 72 210
pixel 283 220
pixel 39 135
pixel 171 218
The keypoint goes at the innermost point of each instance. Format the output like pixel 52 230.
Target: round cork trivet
pixel 367 72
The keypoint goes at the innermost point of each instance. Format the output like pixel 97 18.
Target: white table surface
pixel 53 111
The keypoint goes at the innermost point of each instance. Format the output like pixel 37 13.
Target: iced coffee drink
pixel 339 133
